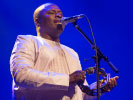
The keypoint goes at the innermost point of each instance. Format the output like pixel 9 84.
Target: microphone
pixel 66 20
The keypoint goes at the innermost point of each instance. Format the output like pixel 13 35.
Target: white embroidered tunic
pixel 40 69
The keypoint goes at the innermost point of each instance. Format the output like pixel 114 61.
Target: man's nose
pixel 58 15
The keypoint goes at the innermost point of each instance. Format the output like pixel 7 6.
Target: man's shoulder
pixel 26 36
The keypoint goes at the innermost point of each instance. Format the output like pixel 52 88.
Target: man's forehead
pixel 50 7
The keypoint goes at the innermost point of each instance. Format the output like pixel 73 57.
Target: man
pixel 44 69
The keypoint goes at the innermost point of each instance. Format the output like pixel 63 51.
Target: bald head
pixel 43 8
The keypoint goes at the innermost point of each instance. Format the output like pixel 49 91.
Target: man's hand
pixel 110 85
pixel 77 76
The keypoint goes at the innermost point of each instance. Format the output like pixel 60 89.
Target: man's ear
pixel 37 22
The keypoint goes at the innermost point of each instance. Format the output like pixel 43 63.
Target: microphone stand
pixel 97 58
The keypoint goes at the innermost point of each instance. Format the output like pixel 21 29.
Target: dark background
pixel 111 21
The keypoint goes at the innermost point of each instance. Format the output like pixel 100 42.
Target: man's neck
pixel 46 36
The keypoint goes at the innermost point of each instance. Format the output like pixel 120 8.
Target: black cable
pixel 96 59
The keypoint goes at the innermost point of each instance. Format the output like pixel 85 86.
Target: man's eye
pixel 51 13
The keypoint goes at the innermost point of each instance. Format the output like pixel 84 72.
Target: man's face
pixel 50 21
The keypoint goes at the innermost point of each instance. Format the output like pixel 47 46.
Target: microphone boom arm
pixel 100 54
